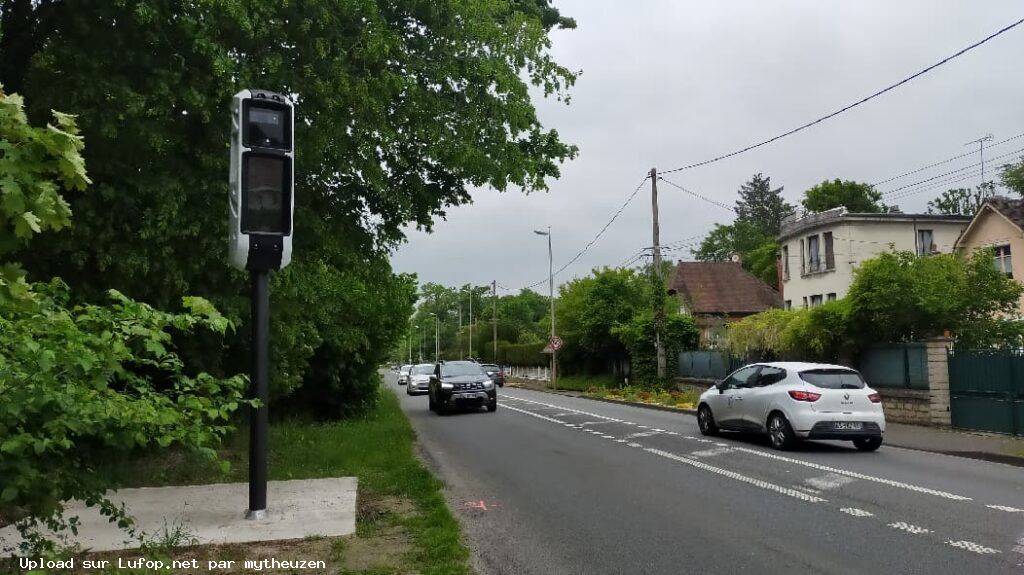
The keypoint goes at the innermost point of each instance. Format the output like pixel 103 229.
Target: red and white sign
pixel 555 342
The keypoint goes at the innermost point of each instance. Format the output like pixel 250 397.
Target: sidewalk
pixel 975 445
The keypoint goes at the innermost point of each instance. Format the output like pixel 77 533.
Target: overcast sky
pixel 667 83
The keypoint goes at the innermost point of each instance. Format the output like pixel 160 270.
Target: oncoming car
pixel 793 401
pixel 419 379
pixel 403 374
pixel 461 384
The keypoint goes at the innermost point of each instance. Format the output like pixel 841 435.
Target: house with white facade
pixel 819 251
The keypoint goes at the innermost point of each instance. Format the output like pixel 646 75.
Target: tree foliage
pixel 961 201
pixel 638 337
pixel 1012 176
pixel 84 384
pixel 854 196
pixel 762 206
pixel 402 108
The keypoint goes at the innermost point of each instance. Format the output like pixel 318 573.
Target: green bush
pixel 523 354
pixel 638 336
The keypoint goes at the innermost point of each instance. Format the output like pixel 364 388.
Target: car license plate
pixel 854 425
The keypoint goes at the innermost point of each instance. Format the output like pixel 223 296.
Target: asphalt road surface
pixel 552 484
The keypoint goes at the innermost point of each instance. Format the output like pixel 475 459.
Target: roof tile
pixel 722 288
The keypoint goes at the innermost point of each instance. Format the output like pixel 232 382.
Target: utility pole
pixel 659 299
pixel 462 350
pixel 470 322
pixel 494 317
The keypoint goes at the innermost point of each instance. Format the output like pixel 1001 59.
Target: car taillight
pixel 804 395
pixel 875 398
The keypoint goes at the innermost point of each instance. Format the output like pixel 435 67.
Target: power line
pixel 850 106
pixel 946 161
pixel 599 234
pixel 696 195
pixel 967 167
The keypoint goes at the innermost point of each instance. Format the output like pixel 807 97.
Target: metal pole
pixel 659 301
pixel 437 339
pixel 470 322
pixel 260 390
pixel 551 296
pixel 494 319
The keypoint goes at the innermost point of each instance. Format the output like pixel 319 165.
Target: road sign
pixel 555 342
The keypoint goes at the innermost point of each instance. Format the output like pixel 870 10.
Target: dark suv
pixel 497 374
pixel 461 384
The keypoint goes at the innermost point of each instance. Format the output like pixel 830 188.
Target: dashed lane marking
pixel 855 475
pixel 857 512
pixel 710 452
pixel 904 526
pixel 973 547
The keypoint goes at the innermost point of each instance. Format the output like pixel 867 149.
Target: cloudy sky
pixel 667 83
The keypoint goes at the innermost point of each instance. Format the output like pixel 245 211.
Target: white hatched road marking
pixel 710 452
pixel 980 549
pixel 798 492
pixel 1005 508
pixel 829 481
pixel 904 526
pixel 857 512
pixel 737 476
pixel 643 434
pixel 856 475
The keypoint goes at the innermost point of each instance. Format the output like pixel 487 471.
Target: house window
pixel 803 259
pixel 830 297
pixel 830 256
pixel 815 300
pixel 789 304
pixel 785 263
pixel 1003 261
pixel 805 302
pixel 925 242
pixel 813 257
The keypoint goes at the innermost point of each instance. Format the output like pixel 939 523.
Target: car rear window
pixel 833 378
pixel 456 369
pixel 423 369
pixel 489 367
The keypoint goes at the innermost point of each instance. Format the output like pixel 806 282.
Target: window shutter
pixel 830 256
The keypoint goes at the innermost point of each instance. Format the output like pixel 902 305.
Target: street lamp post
pixel 437 338
pixel 551 296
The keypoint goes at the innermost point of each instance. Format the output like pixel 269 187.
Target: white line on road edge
pixel 738 477
pixel 909 528
pixel 857 512
pixel 980 549
pixel 1005 508
pixel 856 475
pixel 569 409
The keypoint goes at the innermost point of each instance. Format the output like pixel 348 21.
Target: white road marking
pixel 620 441
pixel 643 434
pixel 856 475
pixel 594 422
pixel 570 410
pixel 737 476
pixel 608 437
pixel 722 444
pixel 829 481
pixel 634 444
pixel 710 452
pixel 1005 508
pixel 980 549
pixel 857 512
pixel 903 526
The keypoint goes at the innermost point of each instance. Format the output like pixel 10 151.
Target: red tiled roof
pixel 722 288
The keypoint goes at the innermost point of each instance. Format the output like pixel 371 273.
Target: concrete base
pixel 217 514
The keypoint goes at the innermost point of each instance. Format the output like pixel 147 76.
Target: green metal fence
pixel 900 365
pixel 707 364
pixel 986 390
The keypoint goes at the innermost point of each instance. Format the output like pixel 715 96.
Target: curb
pixel 1003 458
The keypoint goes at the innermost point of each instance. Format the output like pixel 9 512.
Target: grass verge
pixel 403 524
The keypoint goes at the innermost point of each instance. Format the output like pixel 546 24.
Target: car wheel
pixel 441 407
pixel 780 433
pixel 492 406
pixel 431 404
pixel 706 421
pixel 868 443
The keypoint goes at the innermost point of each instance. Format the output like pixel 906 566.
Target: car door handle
pixel 738 398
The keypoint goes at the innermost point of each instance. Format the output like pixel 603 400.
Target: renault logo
pixel 846 396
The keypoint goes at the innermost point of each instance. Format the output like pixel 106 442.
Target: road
pixel 551 484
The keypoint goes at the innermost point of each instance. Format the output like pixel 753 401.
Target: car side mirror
pixel 721 386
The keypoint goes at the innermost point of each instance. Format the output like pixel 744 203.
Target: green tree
pixel 742 238
pixel 403 107
pixel 854 196
pixel 762 206
pixel 86 384
pixel 1012 176
pixel 961 201
pixel 637 335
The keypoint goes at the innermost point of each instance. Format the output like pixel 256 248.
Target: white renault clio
pixel 792 401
